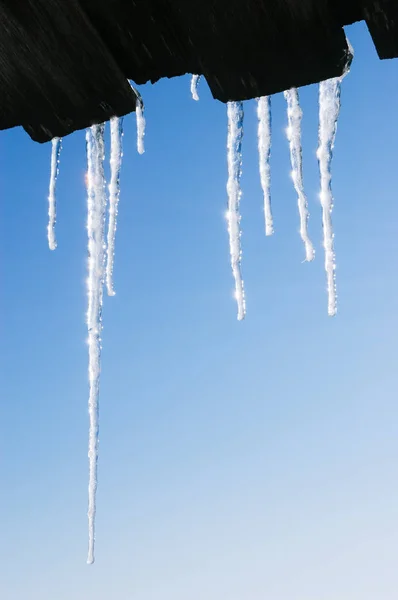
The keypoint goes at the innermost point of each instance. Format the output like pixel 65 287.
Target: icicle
pixel 141 123
pixel 329 108
pixel 114 192
pixel 194 86
pixel 139 111
pixel 234 147
pixel 293 132
pixel 264 150
pixel 96 254
pixel 56 146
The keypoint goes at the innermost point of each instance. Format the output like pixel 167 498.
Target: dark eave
pixel 64 64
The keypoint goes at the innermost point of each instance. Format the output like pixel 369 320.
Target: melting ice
pixel 264 151
pixel 56 145
pixel 139 111
pixel 329 108
pixel 293 132
pixel 194 86
pixel 234 156
pixel 116 125
pixel 96 204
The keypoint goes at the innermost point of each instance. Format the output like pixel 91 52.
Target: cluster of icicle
pixel 329 108
pixel 101 250
pixel 101 244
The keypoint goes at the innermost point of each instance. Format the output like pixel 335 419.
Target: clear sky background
pixel 247 461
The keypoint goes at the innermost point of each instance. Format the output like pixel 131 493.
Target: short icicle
pixel 234 156
pixel 264 151
pixel 141 123
pixel 116 125
pixel 56 146
pixel 293 132
pixel 195 80
pixel 96 204
pixel 329 108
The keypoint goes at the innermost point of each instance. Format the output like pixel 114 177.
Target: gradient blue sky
pixel 252 460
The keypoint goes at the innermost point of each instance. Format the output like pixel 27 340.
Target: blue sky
pixel 237 460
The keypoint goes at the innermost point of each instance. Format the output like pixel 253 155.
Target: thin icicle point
pixel 234 155
pixel 114 193
pixel 96 204
pixel 56 146
pixel 194 87
pixel 293 132
pixel 139 112
pixel 329 108
pixel 264 151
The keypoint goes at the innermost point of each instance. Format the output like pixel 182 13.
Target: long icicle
pixel 234 156
pixel 293 132
pixel 329 108
pixel 56 146
pixel 264 151
pixel 141 123
pixel 194 87
pixel 114 193
pixel 96 255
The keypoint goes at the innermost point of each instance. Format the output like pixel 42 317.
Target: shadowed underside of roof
pixel 64 64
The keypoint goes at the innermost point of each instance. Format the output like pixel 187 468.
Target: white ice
pixel 96 204
pixel 264 151
pixel 116 125
pixel 234 155
pixel 329 108
pixel 293 132
pixel 56 145
pixel 139 112
pixel 194 86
